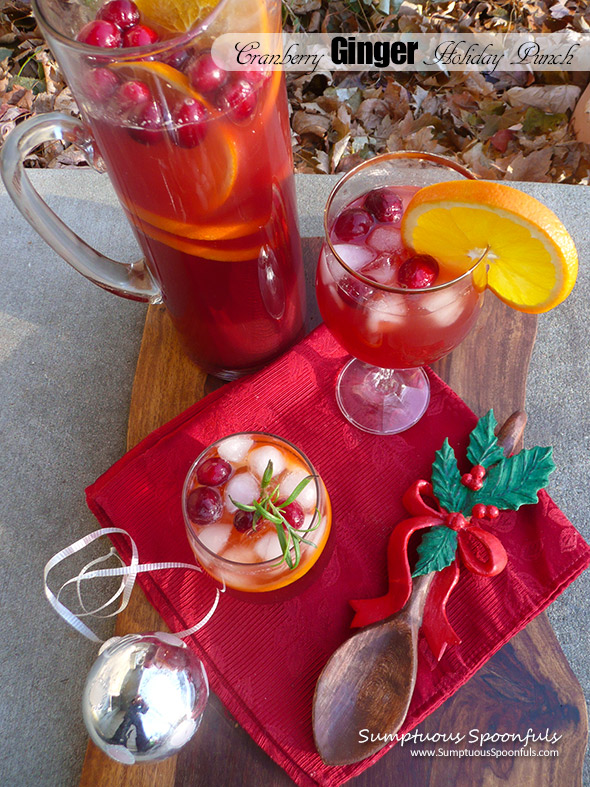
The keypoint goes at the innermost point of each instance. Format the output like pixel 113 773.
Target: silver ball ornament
pixel 144 697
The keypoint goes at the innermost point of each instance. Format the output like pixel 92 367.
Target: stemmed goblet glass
pixel 391 323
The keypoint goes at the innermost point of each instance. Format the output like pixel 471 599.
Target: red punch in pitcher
pixel 200 158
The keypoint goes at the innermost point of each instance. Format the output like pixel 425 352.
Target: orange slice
pixel 178 16
pixel 194 248
pixel 211 232
pixel 532 260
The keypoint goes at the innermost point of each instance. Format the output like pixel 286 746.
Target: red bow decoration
pixel 435 625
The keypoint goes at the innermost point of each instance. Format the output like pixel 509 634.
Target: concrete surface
pixel 68 352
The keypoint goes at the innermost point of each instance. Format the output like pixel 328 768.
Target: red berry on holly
pixel 478 511
pixel 123 13
pixel 467 480
pixel 418 272
pixel 100 33
pixel 476 484
pixel 492 512
pixel 478 471
pixel 140 35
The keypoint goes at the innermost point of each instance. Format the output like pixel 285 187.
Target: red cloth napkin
pixel 263 660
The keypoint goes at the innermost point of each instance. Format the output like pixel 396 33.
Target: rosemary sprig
pixel 267 507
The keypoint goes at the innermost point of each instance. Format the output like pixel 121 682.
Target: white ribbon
pixel 128 575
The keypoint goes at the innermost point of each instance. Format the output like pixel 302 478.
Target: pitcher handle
pixel 130 280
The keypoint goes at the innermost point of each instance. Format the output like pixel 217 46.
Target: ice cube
pixel 353 255
pixel 385 239
pixel 259 458
pixel 444 306
pixel 215 537
pixel 267 547
pixel 307 498
pixel 382 269
pixel 241 554
pixel 235 448
pixel 387 312
pixel 244 488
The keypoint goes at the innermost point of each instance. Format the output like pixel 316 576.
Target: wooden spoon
pixel 367 685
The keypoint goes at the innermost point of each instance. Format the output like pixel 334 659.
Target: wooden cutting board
pixel 527 684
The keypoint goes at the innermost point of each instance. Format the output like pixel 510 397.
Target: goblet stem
pixel 382 401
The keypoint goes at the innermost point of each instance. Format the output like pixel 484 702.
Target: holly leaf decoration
pixel 446 480
pixel 436 551
pixel 516 480
pixel 484 448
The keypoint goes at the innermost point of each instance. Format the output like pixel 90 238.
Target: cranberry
pixel 238 100
pixel 177 58
pixel 255 76
pixel 189 126
pixel 352 223
pixel 123 13
pixel 243 521
pixel 99 33
pixel 293 513
pixel 140 35
pixel 132 95
pixel 148 123
pixel 205 75
pixel 418 272
pixel 204 505
pixel 100 84
pixel 385 205
pixel 213 471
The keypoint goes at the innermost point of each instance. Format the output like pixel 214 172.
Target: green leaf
pixel 242 506
pixel 446 479
pixel 538 122
pixel 436 551
pixel 516 480
pixel 484 448
pixel 267 475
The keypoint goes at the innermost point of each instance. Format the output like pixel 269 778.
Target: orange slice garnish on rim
pixel 531 258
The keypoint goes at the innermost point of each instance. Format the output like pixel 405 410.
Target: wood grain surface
pixel 527 684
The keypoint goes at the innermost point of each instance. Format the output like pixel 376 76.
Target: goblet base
pixel 382 401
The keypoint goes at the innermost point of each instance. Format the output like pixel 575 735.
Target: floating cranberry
pixel 189 119
pixel 418 272
pixel 213 471
pixel 100 84
pixel 293 513
pixel 177 58
pixel 353 223
pixel 147 123
pixel 204 505
pixel 385 205
pixel 100 33
pixel 140 35
pixel 205 75
pixel 238 100
pixel 243 521
pixel 255 76
pixel 131 95
pixel 123 13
